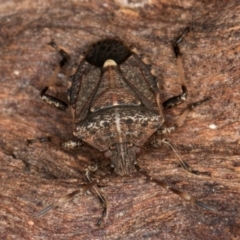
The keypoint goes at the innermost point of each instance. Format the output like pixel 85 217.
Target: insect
pixel 116 103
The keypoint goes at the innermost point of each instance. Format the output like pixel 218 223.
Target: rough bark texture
pixel 36 175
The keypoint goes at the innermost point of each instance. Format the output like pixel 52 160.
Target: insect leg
pixel 102 199
pixel 71 144
pixel 183 163
pixel 64 55
pixel 176 100
pixel 185 196
pixel 178 123
pixel 53 101
pixel 84 186
pixel 51 81
pixel 68 145
pixel 41 140
pixel 182 117
pixel 60 201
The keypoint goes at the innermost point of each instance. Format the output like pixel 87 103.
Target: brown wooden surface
pixel 137 209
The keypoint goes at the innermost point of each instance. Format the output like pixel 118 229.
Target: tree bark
pixel 33 176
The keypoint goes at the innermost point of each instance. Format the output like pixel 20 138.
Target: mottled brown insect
pixel 117 107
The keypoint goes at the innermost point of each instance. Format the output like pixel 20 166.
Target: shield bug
pixel 116 103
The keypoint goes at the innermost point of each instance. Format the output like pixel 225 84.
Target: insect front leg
pixel 51 81
pixel 176 100
pixel 53 101
pixel 64 55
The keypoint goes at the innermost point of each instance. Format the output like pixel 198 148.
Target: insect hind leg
pixel 100 196
pixel 82 187
pixel 184 195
